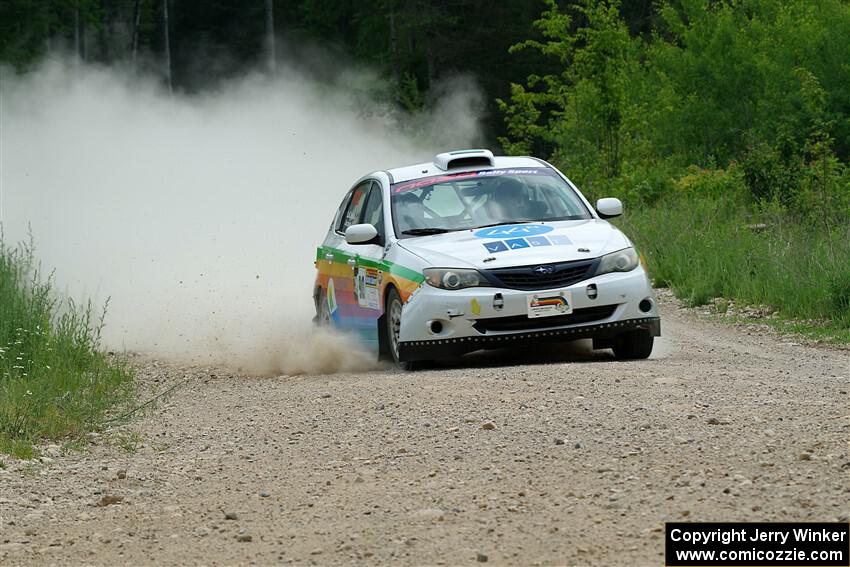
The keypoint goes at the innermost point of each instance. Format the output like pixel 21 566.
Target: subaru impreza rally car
pixel 471 252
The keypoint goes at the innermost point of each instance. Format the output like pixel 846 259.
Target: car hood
pixel 518 245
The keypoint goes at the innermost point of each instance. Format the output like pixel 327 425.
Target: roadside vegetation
pixel 706 246
pixel 55 383
pixel 726 131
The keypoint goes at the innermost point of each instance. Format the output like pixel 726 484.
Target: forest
pixel 724 125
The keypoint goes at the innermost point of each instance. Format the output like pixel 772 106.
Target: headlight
pixel 624 260
pixel 450 278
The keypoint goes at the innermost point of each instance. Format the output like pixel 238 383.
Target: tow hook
pixel 498 302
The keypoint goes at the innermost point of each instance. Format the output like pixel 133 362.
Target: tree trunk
pixel 270 46
pixel 167 44
pixel 77 30
pixel 48 40
pixel 104 45
pixel 84 42
pixel 394 42
pixel 137 17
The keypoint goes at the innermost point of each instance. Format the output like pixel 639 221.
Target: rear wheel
pixel 393 328
pixel 634 345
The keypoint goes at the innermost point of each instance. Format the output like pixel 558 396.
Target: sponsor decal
pixel 526 171
pixel 406 186
pixel 332 304
pixel 512 230
pixel 475 307
pixel 559 239
pixel 538 241
pixel 519 243
pixel 366 287
pixel 497 246
pixel 516 243
pixel 549 305
pixel 559 303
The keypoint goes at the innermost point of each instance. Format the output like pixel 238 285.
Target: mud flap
pixel 383 341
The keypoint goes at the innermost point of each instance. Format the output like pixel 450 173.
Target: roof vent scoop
pixel 464 158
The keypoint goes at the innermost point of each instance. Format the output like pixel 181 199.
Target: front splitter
pixel 436 349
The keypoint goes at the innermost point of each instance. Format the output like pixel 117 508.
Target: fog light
pixel 436 327
pixel 645 305
pixel 592 292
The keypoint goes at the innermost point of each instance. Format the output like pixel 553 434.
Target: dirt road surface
pixel 545 459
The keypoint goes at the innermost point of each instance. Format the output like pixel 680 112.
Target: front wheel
pixel 393 327
pixel 634 345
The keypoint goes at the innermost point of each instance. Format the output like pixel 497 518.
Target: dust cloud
pixel 198 216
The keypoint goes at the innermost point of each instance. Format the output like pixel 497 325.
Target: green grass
pixel 128 441
pixel 826 333
pixel 54 381
pixel 708 247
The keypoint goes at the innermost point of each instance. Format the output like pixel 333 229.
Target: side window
pixel 354 210
pixel 374 213
pixel 340 212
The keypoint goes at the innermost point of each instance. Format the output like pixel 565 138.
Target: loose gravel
pixel 552 456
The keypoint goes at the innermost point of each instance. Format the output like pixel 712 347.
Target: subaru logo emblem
pixel 544 270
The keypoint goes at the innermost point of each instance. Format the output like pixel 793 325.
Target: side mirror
pixel 360 234
pixel 609 207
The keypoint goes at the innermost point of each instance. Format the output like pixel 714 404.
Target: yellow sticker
pixel 475 306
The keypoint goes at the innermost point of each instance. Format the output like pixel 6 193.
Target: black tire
pixel 323 313
pixel 392 322
pixel 634 345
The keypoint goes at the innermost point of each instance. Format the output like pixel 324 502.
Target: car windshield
pixel 476 199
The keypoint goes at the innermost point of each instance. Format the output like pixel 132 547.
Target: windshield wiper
pixel 425 231
pixel 502 224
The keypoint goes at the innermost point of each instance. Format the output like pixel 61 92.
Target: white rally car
pixel 472 252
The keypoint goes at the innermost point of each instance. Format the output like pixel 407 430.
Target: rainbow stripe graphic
pixel 544 301
pixel 355 294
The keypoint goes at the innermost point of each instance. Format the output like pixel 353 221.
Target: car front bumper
pixel 439 323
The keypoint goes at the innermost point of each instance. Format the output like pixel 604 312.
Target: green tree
pixel 576 114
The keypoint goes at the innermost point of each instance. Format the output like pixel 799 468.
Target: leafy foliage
pixel 578 112
pixel 725 126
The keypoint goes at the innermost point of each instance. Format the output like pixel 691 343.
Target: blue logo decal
pixel 497 246
pixel 538 241
pixel 514 230
pixel 560 239
pixel 515 243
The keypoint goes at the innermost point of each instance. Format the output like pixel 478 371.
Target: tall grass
pixel 704 247
pixel 54 381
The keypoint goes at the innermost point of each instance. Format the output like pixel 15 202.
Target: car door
pixel 368 276
pixel 337 263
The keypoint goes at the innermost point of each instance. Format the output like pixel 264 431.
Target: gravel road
pixel 548 458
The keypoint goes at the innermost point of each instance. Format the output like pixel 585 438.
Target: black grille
pixel 524 323
pixel 525 277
